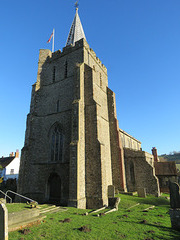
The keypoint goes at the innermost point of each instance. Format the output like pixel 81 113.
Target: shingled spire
pixel 76 32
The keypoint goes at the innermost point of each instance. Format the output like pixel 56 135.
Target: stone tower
pixel 72 149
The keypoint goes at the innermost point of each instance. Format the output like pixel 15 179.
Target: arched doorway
pixel 54 188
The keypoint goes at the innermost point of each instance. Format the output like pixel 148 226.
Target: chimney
pixel 11 154
pixel 154 153
pixel 17 154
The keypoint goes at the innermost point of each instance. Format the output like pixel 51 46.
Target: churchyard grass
pixel 130 224
pixel 16 207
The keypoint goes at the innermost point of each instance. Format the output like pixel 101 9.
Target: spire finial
pixel 76 5
pixel 76 31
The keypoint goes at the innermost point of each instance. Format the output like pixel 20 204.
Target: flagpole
pixel 53 41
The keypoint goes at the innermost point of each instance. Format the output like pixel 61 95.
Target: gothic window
pixel 54 74
pixel 65 69
pixel 57 142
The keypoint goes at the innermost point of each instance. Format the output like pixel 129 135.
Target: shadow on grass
pixel 151 200
pixel 168 232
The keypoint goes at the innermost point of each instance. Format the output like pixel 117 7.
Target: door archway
pixel 54 188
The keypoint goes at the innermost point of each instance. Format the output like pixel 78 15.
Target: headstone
pixel 117 202
pixel 114 202
pixel 111 191
pixel 175 218
pixel 3 222
pixel 141 192
pixel 174 195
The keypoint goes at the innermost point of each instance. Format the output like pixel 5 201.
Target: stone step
pixel 49 210
pixel 25 224
pixel 42 209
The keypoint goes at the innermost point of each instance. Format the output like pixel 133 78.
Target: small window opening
pixel 54 74
pixel 12 171
pixel 100 80
pixel 65 69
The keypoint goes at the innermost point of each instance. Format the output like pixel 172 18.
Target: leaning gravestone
pixel 175 205
pixel 174 195
pixel 141 192
pixel 111 191
pixel 3 222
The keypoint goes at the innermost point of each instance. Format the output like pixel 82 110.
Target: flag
pixel 50 38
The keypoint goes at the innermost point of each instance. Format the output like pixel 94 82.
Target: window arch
pixel 57 144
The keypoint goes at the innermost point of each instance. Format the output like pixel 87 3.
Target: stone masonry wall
pixel 117 156
pixel 128 141
pixel 98 159
pixel 77 196
pixel 139 172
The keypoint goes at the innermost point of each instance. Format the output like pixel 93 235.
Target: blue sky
pixel 137 40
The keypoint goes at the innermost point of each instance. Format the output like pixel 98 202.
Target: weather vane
pixel 76 4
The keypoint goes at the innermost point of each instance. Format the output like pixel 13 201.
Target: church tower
pixel 72 149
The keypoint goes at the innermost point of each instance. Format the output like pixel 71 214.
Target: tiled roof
pixel 165 168
pixel 6 161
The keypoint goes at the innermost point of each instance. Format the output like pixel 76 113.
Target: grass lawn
pixel 16 207
pixel 133 223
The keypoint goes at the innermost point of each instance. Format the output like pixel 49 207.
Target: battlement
pixel 47 55
pixel 95 57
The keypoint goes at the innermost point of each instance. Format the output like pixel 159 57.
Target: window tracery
pixel 57 145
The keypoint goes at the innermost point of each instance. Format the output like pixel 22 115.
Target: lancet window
pixel 65 69
pixel 100 80
pixel 57 145
pixel 54 74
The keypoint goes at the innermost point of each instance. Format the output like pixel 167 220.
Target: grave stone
pixel 111 191
pixel 3 222
pixel 141 192
pixel 175 218
pixel 114 202
pixel 174 195
pixel 175 205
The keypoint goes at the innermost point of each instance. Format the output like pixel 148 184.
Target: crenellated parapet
pixel 73 54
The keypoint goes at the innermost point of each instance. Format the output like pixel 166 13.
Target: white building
pixel 10 166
